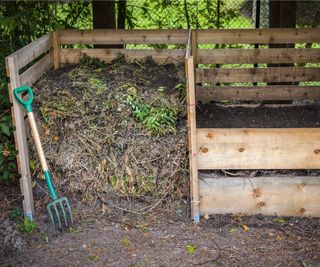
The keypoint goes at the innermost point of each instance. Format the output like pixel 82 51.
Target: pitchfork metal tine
pixel 69 209
pixel 64 214
pixel 51 217
pixel 57 215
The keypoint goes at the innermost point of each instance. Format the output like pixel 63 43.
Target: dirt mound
pixel 114 130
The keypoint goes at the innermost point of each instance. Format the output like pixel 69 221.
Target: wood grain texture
pixel 282 196
pixel 271 74
pixel 30 52
pixel 56 49
pixel 34 73
pixel 259 36
pixel 192 135
pixel 23 156
pixel 252 148
pixel 272 92
pixel 108 36
pixel 274 55
pixel 161 56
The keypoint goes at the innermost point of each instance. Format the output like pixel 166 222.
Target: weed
pixel 157 119
pixel 26 225
pixel 94 258
pixel 97 84
pixel 191 249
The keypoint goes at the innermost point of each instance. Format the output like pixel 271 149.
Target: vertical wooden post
pixel 56 49
pixel 192 131
pixel 23 156
pixel 194 45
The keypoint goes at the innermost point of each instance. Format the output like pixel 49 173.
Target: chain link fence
pixel 212 14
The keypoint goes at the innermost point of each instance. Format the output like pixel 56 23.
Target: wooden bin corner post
pixel 192 132
pixel 55 39
pixel 21 141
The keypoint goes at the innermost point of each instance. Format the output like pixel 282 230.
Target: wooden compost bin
pixel 253 148
pixel 27 65
pixel 209 149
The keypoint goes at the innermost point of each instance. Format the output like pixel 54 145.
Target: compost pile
pixel 114 131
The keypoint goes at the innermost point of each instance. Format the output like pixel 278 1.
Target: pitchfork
pixel 57 203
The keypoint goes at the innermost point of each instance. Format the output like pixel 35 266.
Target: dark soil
pixel 256 116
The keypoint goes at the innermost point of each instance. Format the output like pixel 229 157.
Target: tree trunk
pixel 104 17
pixel 122 8
pixel 103 14
pixel 282 14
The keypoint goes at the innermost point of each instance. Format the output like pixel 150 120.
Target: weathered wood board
pixel 108 36
pixel 245 75
pixel 272 55
pixel 161 56
pixel 282 196
pixel 258 36
pixel 276 92
pixel 252 148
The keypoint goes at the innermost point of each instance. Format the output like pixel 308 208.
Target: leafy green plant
pixel 191 249
pixel 26 225
pixel 157 119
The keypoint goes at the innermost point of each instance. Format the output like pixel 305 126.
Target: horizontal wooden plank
pixel 160 56
pixel 108 36
pixel 30 52
pixel 274 55
pixel 271 74
pixel 33 74
pixel 251 148
pixel 262 36
pixel 277 92
pixel 282 196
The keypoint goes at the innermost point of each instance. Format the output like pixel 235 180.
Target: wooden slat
pixel 30 52
pixel 274 55
pixel 161 56
pixel 192 135
pixel 287 148
pixel 262 36
pixel 33 74
pixel 104 36
pixel 194 45
pixel 56 49
pixel 271 74
pixel 284 92
pixel 23 156
pixel 282 196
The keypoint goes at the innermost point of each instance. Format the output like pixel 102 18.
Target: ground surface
pixel 158 240
pixel 165 236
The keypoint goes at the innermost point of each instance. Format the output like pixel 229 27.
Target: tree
pixel 122 14
pixel 104 14
pixel 282 14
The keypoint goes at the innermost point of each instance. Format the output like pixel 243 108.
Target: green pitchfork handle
pixel 27 105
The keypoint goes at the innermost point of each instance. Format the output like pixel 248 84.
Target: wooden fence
pixel 251 148
pixel 208 148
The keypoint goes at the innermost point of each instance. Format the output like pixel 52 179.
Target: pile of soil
pixel 114 131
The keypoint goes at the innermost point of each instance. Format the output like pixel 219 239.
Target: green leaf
pixel 5 129
pixel 191 249
pixel 280 220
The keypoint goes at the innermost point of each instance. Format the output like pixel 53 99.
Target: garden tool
pixel 58 205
